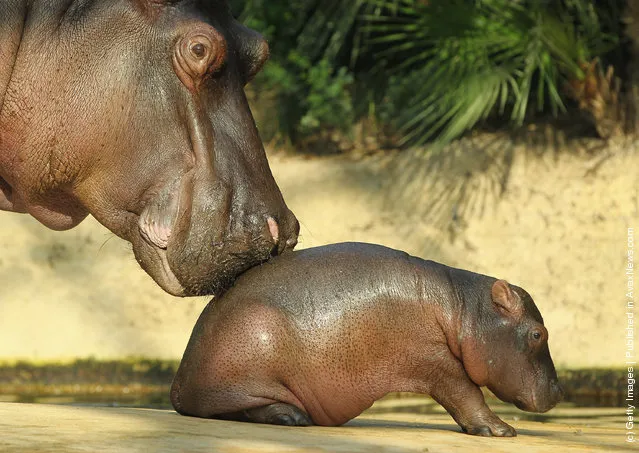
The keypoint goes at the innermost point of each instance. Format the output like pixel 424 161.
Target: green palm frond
pixel 433 68
pixel 478 58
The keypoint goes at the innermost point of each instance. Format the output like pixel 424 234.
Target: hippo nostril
pixel 291 243
pixel 283 232
pixel 274 229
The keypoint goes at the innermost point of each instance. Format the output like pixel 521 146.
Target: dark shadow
pixel 391 424
pixel 442 191
pixel 326 438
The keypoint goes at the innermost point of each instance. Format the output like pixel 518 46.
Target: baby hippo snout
pixel 555 396
pixel 542 399
pixel 557 391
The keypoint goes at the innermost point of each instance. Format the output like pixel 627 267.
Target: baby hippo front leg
pixel 465 402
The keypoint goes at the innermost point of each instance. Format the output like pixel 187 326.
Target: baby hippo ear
pixel 198 53
pixel 506 299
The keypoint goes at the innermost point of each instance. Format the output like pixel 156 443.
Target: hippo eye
pixel 198 50
pixel 198 53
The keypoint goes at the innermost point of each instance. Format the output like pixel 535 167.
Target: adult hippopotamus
pixel 134 111
pixel 317 336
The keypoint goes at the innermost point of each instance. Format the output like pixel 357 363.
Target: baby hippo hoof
pixel 497 429
pixel 279 414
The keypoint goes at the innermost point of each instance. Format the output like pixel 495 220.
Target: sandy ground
pixel 41 428
pixel 554 223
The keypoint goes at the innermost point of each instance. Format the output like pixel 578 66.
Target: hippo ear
pixel 198 53
pixel 506 299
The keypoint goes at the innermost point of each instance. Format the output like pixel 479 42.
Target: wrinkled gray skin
pixel 134 111
pixel 317 336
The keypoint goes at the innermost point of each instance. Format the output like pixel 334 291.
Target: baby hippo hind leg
pixel 272 414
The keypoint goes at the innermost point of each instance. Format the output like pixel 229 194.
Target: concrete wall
pixel 555 224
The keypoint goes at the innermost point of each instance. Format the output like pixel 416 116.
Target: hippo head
pixel 508 350
pixel 148 98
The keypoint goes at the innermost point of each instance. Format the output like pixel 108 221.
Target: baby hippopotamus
pixel 316 336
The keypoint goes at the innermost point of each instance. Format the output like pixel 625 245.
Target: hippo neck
pixel 472 290
pixel 474 295
pixel 13 22
pixel 16 17
pixel 437 286
pixel 33 190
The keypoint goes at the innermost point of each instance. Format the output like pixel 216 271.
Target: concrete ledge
pixel 46 428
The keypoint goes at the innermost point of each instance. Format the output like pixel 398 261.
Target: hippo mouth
pixel 154 260
pixel 204 258
pixel 167 278
pixel 520 404
pixel 184 269
pixel 212 278
pixel 533 404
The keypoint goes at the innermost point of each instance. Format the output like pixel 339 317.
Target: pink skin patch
pixel 274 229
pixel 158 218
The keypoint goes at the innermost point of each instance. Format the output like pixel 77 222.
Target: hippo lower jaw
pixel 147 255
pixel 170 282
pixel 211 271
pixel 533 405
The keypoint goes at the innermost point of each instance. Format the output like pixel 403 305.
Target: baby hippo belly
pixel 254 364
pixel 331 390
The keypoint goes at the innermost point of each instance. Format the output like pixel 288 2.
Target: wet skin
pixel 316 336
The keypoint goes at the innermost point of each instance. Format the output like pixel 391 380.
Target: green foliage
pixel 432 69
pixel 313 89
pixel 457 63
pixel 328 103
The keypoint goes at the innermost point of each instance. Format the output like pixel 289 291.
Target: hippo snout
pixel 543 400
pixel 550 398
pixel 283 233
pixel 557 392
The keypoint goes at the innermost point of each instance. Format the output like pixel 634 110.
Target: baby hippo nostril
pixel 274 229
pixel 557 390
